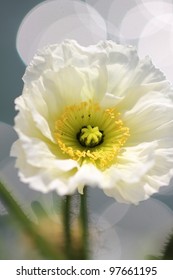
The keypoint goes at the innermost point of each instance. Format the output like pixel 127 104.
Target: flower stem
pixel 67 225
pixel 30 228
pixel 84 224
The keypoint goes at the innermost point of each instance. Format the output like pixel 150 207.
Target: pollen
pixel 88 133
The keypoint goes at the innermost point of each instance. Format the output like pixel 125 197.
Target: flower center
pixel 90 134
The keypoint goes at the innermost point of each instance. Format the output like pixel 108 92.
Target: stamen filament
pixel 87 133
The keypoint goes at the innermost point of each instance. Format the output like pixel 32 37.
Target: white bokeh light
pixel 158 44
pixel 155 7
pixel 113 11
pixel 151 23
pixel 101 6
pixel 56 20
pixel 72 30
pixel 137 18
pixel 142 230
pixel 105 243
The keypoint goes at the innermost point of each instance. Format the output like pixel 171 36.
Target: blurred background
pixel 122 232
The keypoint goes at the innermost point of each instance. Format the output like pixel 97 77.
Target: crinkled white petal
pixel 144 169
pixel 43 174
pixel 39 155
pixel 134 163
pixel 150 118
pixel 109 74
pixel 87 175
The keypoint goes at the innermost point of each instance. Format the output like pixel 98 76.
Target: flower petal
pixel 151 114
pixel 125 99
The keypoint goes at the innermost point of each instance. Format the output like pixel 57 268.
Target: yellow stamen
pixel 88 133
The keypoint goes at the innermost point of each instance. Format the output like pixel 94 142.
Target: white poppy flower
pixel 96 116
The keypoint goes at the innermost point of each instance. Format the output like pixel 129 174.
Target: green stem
pixel 14 209
pixel 84 224
pixel 67 225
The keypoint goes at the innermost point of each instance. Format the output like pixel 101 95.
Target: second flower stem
pixel 69 239
pixel 84 224
pixel 67 226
